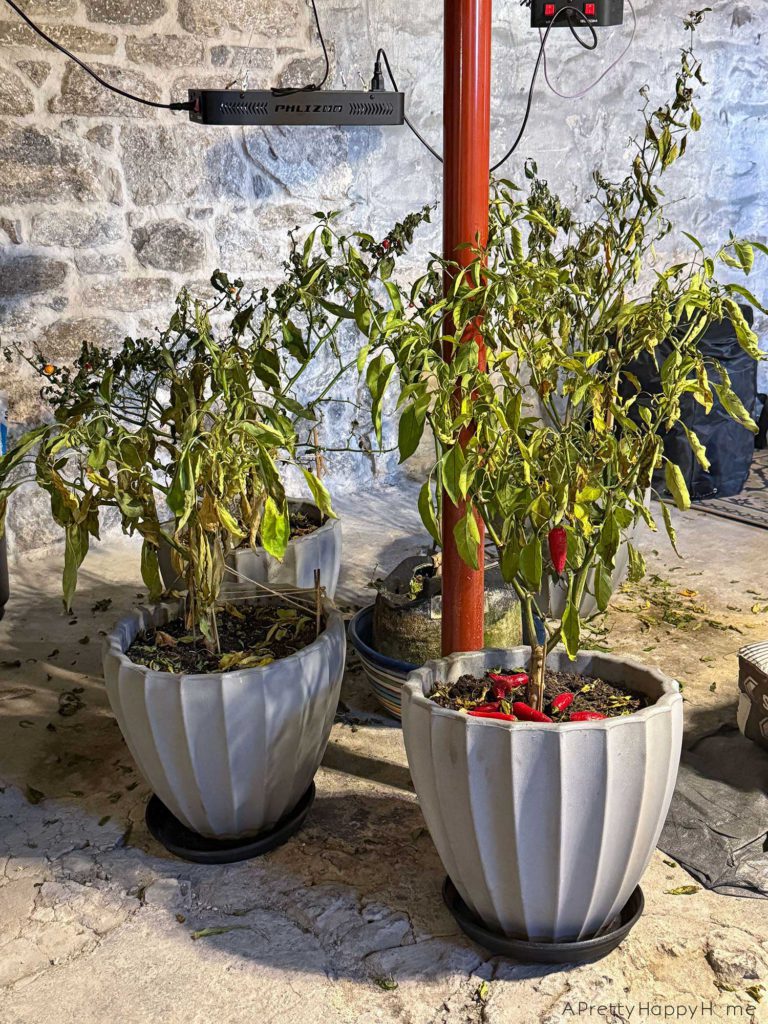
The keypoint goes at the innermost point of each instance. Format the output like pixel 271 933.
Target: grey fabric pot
pixel 318 550
pixel 228 753
pixel 545 830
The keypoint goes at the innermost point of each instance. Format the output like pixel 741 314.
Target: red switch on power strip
pixel 549 10
pixel 590 10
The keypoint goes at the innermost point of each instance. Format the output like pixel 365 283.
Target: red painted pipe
pixel 467 128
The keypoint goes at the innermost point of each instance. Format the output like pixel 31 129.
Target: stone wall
pixel 107 208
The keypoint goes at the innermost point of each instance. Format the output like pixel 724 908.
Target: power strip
pixel 313 107
pixel 600 13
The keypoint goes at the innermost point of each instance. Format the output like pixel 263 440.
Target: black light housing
pixel 308 107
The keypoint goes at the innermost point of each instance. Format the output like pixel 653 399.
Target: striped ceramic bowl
pixel 385 675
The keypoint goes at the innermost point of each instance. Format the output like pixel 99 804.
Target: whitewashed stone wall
pixel 107 208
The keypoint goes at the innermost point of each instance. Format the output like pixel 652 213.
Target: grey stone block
pixel 100 263
pixel 212 17
pixel 29 275
pixel 74 37
pixel 15 97
pixel 36 70
pixel 62 340
pixel 81 94
pixel 170 245
pixel 76 228
pixel 125 12
pixel 164 51
pixel 129 294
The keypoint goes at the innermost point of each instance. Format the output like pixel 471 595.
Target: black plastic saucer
pixel 189 845
pixel 580 951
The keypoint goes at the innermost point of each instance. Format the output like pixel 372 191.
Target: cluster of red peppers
pixel 504 686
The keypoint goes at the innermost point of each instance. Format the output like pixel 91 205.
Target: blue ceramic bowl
pixel 386 675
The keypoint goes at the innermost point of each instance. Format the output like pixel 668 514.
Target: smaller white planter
pixel 320 549
pixel 228 753
pixel 544 829
pixel 553 596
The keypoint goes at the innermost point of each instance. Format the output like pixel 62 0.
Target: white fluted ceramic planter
pixel 545 830
pixel 228 753
pixel 320 549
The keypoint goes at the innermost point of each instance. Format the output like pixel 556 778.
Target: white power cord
pixel 611 66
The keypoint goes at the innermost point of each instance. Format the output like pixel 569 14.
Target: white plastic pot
pixel 320 549
pixel 228 753
pixel 545 830
pixel 553 595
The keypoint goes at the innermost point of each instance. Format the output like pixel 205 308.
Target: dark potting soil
pixel 302 524
pixel 249 635
pixel 595 695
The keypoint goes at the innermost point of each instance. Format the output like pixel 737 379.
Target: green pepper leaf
pixel 676 486
pixel 467 537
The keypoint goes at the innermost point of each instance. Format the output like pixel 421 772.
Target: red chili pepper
pixel 528 714
pixel 505 683
pixel 490 706
pixel 562 702
pixel 386 244
pixel 499 715
pixel 558 548
pixel 586 716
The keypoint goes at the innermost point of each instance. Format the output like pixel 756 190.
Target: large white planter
pixel 545 830
pixel 318 550
pixel 228 753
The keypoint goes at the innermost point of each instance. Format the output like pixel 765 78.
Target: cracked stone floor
pixel 345 923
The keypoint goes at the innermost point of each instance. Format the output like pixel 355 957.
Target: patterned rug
pixel 751 506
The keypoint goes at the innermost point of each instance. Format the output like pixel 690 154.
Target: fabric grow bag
pixel 729 446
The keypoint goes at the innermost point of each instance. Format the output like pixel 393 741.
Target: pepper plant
pixel 554 445
pixel 186 435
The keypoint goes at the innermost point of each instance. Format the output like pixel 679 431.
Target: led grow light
pixel 308 107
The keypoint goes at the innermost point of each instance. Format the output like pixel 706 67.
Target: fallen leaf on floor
pixel 84 640
pixel 483 991
pixel 102 606
pixel 104 820
pixel 683 890
pixel 34 796
pixel 670 863
pixel 388 984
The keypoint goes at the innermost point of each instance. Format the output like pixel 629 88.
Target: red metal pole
pixel 467 127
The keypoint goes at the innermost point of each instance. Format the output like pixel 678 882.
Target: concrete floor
pixel 345 923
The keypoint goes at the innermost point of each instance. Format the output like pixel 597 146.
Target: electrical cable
pixel 583 92
pixel 377 77
pixel 569 10
pixel 107 85
pixel 562 10
pixel 311 88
